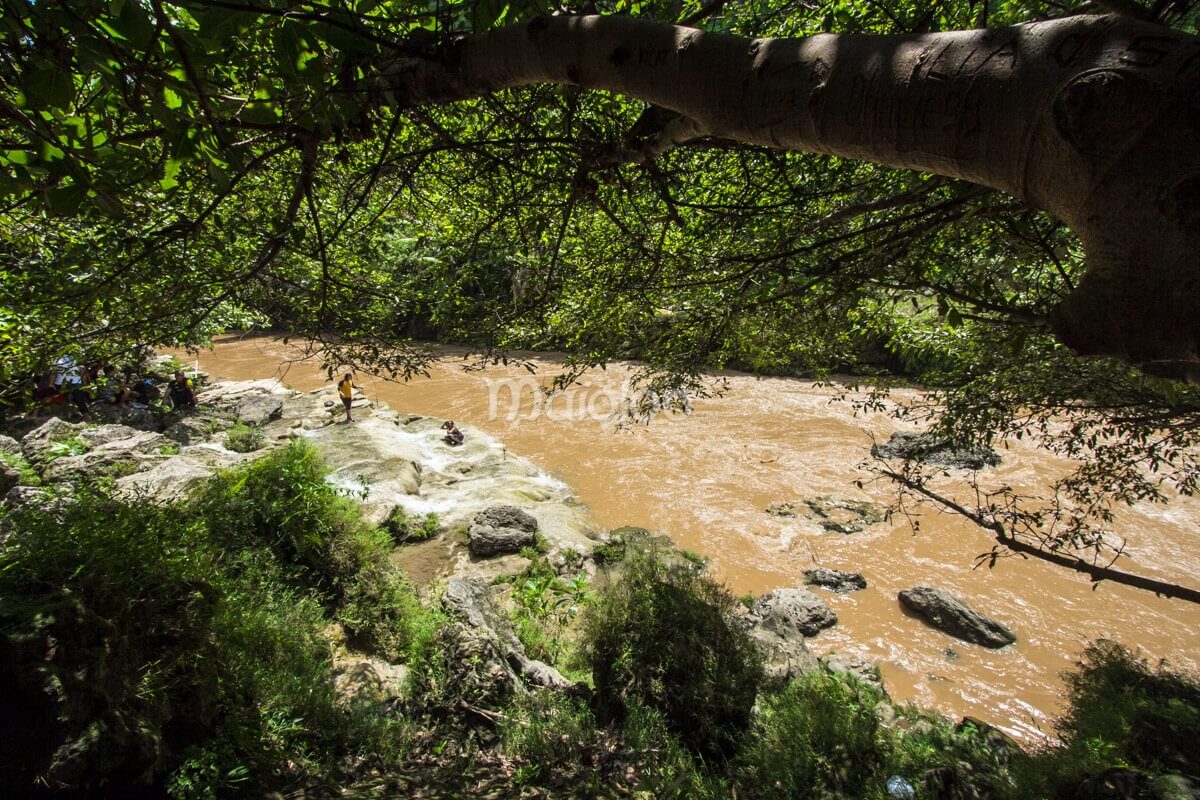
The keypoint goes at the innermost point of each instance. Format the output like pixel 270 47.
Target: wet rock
pixel 9 445
pixel 112 458
pixel 37 443
pixel 251 402
pixel 844 515
pixel 199 427
pixel 835 580
pixel 502 529
pixel 860 668
pixel 944 611
pixel 929 448
pixel 792 612
pixel 783 509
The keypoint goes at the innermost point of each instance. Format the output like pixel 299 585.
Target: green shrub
pixel 283 502
pixel 102 615
pixel 660 637
pixel 608 552
pixel 817 737
pixel 1122 714
pixel 545 606
pixel 243 438
pixel 379 605
pixel 184 645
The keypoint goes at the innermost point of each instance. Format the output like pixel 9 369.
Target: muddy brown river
pixel 705 478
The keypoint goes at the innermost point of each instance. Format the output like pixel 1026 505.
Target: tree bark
pixel 1095 119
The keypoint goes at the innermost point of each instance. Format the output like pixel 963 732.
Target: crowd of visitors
pixel 80 387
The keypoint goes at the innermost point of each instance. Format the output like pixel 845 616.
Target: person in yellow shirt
pixel 346 392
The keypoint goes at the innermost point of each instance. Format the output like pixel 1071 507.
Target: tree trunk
pixel 1093 119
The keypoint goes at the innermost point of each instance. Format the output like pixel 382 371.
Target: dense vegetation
pixel 190 650
pixel 170 169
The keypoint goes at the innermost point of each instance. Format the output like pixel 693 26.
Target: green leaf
pixel 49 88
pixel 170 178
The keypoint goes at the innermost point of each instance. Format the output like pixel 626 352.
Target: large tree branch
pixel 1094 571
pixel 1093 119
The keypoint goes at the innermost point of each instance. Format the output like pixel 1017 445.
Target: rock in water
pixel 928 448
pixel 782 509
pixel 835 580
pixel 788 612
pixel 9 445
pixel 944 611
pixel 501 529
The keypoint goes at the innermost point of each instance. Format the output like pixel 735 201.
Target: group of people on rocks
pixel 69 383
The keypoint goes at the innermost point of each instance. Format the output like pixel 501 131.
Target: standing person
pixel 183 394
pixel 70 384
pixel 346 389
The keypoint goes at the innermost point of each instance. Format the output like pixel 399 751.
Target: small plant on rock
pixel 243 438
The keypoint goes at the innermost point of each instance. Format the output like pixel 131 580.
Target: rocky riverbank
pixel 504 693
pixel 482 511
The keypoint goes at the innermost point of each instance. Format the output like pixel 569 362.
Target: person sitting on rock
pixel 346 389
pixel 182 393
pixel 454 436
pixel 145 391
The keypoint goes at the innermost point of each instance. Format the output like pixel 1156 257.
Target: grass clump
pixel 243 438
pixel 18 462
pixel 70 445
pixel 404 529
pixel 660 637
pixel 282 501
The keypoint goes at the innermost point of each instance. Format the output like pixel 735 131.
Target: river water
pixel 706 477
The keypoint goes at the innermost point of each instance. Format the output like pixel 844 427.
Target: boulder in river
pixel 790 612
pixel 501 529
pixel 945 612
pixel 837 514
pixel 835 580
pixel 929 448
pixel 845 515
pixel 782 509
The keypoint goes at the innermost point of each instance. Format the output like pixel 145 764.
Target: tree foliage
pixel 172 167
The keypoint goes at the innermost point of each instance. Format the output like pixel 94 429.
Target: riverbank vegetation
pixel 192 651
